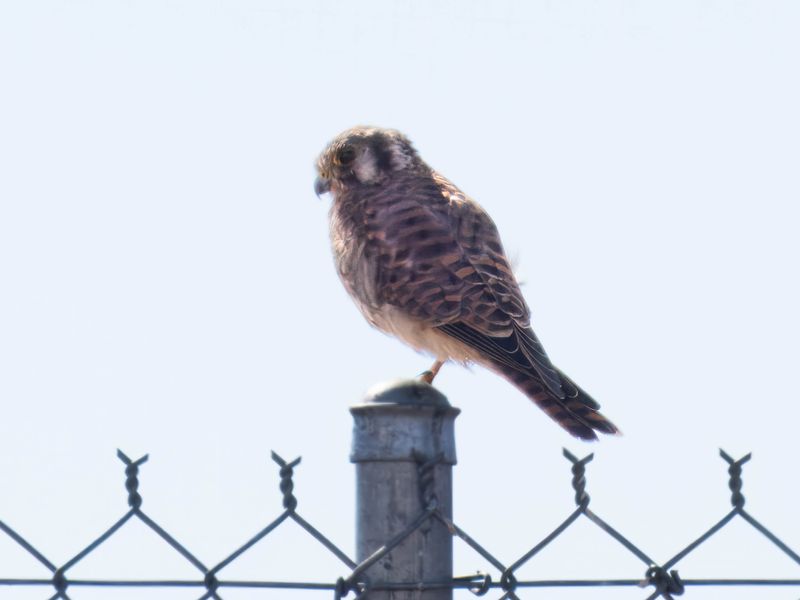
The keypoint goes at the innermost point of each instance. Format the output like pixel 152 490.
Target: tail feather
pixel 577 412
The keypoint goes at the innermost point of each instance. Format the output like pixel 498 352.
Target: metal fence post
pixel 399 426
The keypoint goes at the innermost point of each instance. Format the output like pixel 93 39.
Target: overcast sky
pixel 166 284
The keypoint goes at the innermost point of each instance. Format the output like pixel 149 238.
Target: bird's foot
pixel 429 375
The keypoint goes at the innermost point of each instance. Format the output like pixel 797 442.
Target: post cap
pixel 401 420
pixel 406 392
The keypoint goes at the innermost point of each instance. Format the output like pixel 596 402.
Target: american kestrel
pixel 424 262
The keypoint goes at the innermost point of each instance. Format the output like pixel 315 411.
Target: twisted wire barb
pixel 735 482
pixel 132 478
pixel 425 477
pixel 579 478
pixel 287 485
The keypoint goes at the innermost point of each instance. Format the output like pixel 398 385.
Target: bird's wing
pixel 441 261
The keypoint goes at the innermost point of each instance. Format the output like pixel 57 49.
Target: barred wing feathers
pixel 440 260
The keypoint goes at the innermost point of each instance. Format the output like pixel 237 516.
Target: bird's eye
pixel 346 155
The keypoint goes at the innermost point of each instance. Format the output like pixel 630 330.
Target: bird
pixel 424 262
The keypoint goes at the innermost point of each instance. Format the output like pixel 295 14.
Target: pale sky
pixel 166 284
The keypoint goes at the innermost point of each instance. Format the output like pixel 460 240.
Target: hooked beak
pixel 322 185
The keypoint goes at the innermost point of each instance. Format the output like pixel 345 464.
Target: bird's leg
pixel 428 376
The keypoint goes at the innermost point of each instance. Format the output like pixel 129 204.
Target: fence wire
pixel 660 580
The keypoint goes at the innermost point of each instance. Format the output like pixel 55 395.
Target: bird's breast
pixel 356 268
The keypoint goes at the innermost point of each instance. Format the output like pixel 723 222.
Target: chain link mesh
pixel 659 580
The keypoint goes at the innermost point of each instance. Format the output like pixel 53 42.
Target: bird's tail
pixel 577 412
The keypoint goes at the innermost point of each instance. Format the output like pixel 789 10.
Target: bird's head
pixel 364 156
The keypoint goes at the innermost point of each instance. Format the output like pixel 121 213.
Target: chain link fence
pixel 658 579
